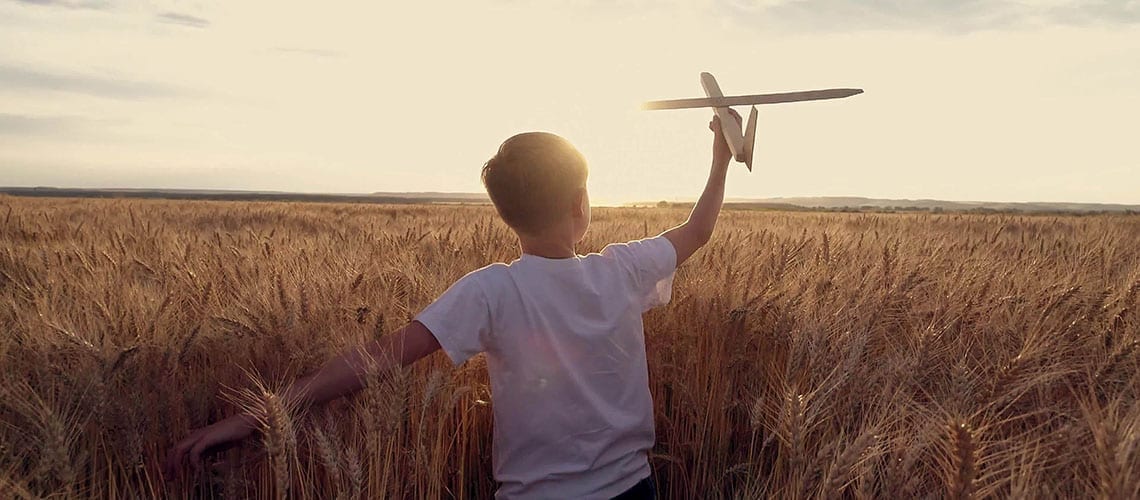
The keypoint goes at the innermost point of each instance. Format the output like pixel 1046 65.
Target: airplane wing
pixel 744 100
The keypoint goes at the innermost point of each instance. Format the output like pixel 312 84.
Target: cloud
pixel 183 20
pixel 18 78
pixel 940 15
pixel 308 52
pixel 168 17
pixel 1099 12
pixel 69 4
pixel 26 125
pixel 60 127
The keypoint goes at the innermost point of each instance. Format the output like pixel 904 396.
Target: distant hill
pixel 235 195
pixel 822 203
pixel 432 195
pixel 840 203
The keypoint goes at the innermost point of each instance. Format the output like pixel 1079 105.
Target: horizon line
pixel 16 190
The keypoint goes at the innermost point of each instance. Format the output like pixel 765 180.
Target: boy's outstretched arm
pixel 696 231
pixel 340 376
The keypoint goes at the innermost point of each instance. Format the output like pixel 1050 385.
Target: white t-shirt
pixel 566 356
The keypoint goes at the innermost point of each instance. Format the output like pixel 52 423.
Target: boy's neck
pixel 547 247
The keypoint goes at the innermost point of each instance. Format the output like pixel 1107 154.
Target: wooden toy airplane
pixel 742 144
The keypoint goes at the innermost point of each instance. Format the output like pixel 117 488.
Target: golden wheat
pixel 804 355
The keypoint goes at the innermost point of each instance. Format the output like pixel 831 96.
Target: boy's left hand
pixel 721 153
pixel 216 437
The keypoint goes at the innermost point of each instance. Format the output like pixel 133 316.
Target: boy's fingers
pixel 714 125
pixel 196 456
pixel 736 115
pixel 174 459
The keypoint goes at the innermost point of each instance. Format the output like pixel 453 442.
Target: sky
pixel 974 100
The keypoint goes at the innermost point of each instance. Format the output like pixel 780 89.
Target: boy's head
pixel 537 180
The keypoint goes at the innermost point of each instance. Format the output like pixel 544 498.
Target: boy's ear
pixel 581 202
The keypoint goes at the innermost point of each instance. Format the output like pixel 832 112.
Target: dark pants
pixel 643 490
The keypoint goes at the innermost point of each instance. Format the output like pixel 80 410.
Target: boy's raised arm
pixel 696 231
pixel 339 376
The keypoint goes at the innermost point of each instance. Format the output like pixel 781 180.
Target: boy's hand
pixel 721 153
pixel 218 436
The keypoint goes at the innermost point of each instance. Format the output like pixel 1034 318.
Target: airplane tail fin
pixel 750 138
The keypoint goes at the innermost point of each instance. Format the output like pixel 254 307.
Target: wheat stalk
pixel 963 467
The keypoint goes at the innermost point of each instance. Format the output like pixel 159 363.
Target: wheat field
pixel 804 355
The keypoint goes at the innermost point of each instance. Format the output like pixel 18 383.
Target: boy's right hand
pixel 216 437
pixel 722 155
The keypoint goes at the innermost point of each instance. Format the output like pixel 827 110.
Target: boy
pixel 573 417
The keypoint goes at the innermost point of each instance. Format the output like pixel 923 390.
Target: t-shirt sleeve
pixel 650 264
pixel 460 319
